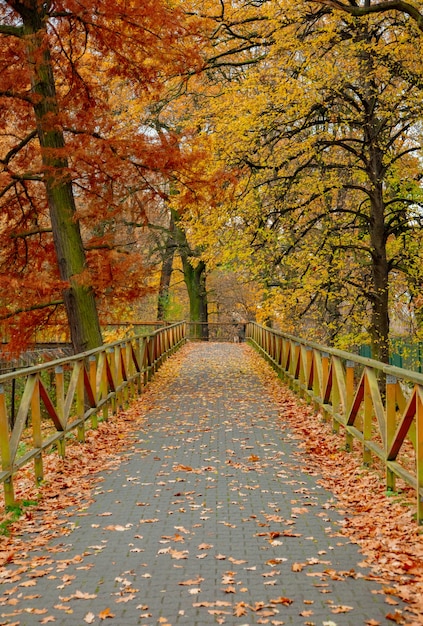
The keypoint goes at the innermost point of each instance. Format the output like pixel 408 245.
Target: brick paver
pixel 203 523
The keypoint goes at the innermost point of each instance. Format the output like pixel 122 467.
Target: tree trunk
pixel 78 296
pixel 380 270
pixel 195 280
pixel 166 273
pixel 379 327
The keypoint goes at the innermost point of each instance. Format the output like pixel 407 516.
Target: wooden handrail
pixel 380 405
pixel 69 391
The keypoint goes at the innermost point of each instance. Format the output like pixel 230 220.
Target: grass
pixel 13 513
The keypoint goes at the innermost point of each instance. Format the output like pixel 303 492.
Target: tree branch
pixel 34 307
pixel 381 7
pixel 14 31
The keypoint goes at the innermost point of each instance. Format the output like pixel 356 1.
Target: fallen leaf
pixel 192 581
pixel 106 614
pixel 28 583
pixel 81 595
pixel 396 617
pixel 297 567
pixel 341 609
pixel 240 609
pixel 89 618
pixel 282 600
pixel 179 554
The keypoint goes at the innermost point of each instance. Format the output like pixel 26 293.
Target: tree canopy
pixel 283 137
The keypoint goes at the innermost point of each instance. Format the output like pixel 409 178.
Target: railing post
pixel 112 366
pixel 102 383
pixel 419 454
pixel 92 375
pixel 36 431
pixel 367 421
pixel 325 378
pixel 391 410
pixel 349 381
pixel 60 405
pixel 309 370
pixel 6 459
pixel 335 397
pixel 80 401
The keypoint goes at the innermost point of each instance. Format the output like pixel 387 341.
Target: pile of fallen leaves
pixel 383 525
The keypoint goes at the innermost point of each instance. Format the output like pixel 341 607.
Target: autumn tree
pixel 71 161
pixel 324 131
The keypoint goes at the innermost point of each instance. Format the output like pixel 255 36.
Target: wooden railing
pixel 379 405
pixel 58 397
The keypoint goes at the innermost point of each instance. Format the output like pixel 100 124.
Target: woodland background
pixel 211 160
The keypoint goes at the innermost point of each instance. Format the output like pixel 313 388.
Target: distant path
pixel 208 520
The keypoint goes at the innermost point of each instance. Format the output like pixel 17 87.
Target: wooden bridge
pixel 376 405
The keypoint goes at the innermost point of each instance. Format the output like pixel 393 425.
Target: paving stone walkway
pixel 209 519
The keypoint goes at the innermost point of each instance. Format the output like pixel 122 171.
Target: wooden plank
pixel 377 403
pixel 367 418
pixel 327 391
pixel 22 415
pixel 36 431
pixel 58 421
pixel 419 451
pixel 403 427
pixel 358 399
pixel 391 412
pixel 340 383
pixel 6 457
pixel 92 378
pixel 135 359
pixel 317 375
pixel 89 390
pixel 73 384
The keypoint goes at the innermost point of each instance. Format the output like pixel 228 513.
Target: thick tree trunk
pixel 380 271
pixel 78 296
pixel 379 329
pixel 195 280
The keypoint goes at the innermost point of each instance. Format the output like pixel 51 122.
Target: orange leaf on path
pixel 396 617
pixel 341 609
pixel 297 567
pixel 282 600
pixel 240 609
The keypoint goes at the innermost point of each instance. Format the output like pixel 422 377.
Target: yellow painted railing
pixel 58 397
pixel 379 405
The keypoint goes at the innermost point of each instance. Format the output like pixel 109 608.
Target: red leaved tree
pixel 78 159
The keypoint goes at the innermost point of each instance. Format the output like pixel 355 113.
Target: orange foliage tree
pixel 79 164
